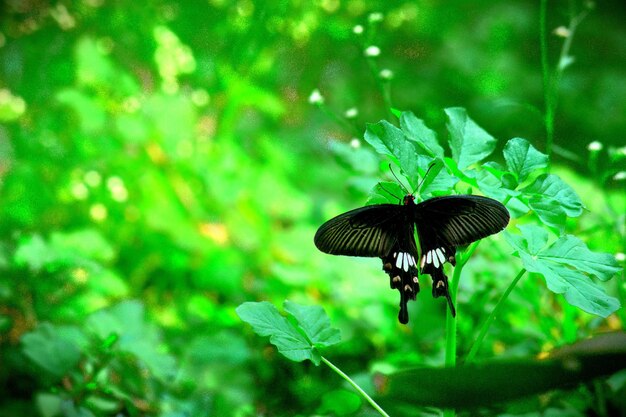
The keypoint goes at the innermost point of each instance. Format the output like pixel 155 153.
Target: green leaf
pixel 552 200
pixel 522 158
pixel 315 324
pixel 385 192
pixel 56 349
pixel 127 321
pixel 468 141
pixel 564 264
pixel 437 179
pixel 267 321
pixel 425 138
pixel 499 381
pixel 391 141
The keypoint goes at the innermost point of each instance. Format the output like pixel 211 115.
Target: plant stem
pixel 551 81
pixel 545 71
pixel 451 321
pixel 494 313
pixel 356 387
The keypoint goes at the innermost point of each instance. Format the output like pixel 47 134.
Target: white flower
pixel 562 32
pixel 372 51
pixel 375 17
pixel 594 146
pixel 316 97
pixel 351 113
pixel 386 74
pixel 358 29
pixel 355 143
pixel 620 176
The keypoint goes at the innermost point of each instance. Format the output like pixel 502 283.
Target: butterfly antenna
pixel 388 192
pixel 399 182
pixel 432 164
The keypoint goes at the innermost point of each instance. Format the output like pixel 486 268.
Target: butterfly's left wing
pixel 385 231
pixel 443 223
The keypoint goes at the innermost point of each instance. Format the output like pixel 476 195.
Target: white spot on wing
pixel 442 258
pixel 405 266
pixel 399 261
pixel 429 257
pixel 423 262
pixel 435 259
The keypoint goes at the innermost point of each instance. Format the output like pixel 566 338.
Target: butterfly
pixel 387 231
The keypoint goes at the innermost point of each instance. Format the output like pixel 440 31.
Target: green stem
pixel 340 120
pixel 545 71
pixel 494 313
pixel 356 387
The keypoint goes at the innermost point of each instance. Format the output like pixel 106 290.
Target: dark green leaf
pixel 499 381
pixel 563 264
pixel 522 158
pixel 468 141
pixel 267 321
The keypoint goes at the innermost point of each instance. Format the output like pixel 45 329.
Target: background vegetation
pixel 161 164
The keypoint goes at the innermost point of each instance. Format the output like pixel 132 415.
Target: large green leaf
pixel 468 141
pixel 389 140
pixel 296 342
pixel 553 200
pixel 425 138
pixel 56 349
pixel 499 381
pixel 522 158
pixel 564 265
pixel 315 324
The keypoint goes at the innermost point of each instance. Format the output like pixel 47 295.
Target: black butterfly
pixel 386 231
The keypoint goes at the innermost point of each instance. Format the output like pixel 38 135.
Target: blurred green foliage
pixel 160 164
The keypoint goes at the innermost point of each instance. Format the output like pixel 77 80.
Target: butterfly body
pixel 387 231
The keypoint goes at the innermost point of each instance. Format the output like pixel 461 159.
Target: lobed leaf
pixel 563 264
pixel 295 343
pixel 468 141
pixel 315 324
pixel 552 199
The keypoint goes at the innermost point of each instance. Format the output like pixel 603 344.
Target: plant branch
pixel 356 387
pixel 494 313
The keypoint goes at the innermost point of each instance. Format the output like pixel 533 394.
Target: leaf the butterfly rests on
pixel 387 231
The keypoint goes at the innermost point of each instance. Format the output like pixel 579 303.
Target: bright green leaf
pixel 522 158
pixel 468 141
pixel 552 199
pixel 386 192
pixel 564 264
pixel 425 138
pixel 315 324
pixel 267 321
pixel 391 141
pixel 56 349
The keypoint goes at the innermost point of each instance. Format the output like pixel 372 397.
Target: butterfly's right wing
pixel 366 231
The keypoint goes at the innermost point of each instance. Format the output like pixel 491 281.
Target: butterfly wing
pixel 385 231
pixel 366 231
pixel 443 223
